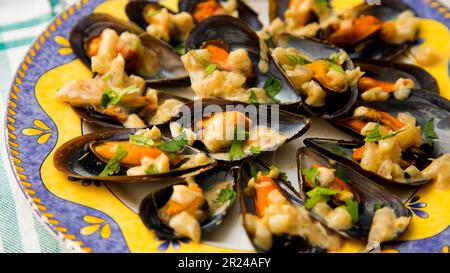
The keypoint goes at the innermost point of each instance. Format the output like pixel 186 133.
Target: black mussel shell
pixel 277 8
pixel 289 124
pixel 390 71
pixel 421 104
pixel 77 161
pixel 374 47
pixel 89 114
pixel 369 193
pixel 281 243
pixel 237 35
pixel 341 151
pixel 172 70
pixel 246 13
pixel 336 104
pixel 148 210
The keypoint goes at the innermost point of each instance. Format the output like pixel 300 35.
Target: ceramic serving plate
pixel 101 217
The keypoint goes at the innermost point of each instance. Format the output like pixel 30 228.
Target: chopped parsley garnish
pixel 236 150
pixel 338 150
pixel 340 173
pixel 376 136
pixel 210 68
pixel 321 191
pixel 311 202
pixel 112 97
pixel 83 156
pixel 430 133
pixel 298 60
pixel 180 49
pixel 152 169
pixel 272 86
pixel 334 66
pixel 225 195
pixel 252 99
pixel 283 176
pixel 141 140
pixel 255 150
pixel 352 207
pixel 311 174
pixel 335 57
pixel 113 165
pixel 175 145
pixel 377 206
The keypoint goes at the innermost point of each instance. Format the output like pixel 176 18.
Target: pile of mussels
pixel 256 88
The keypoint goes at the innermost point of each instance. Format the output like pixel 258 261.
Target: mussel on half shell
pixel 216 124
pixel 245 13
pixel 255 201
pixel 342 151
pixel 345 181
pixel 337 101
pixel 213 184
pixel 170 70
pixel 86 157
pixel 233 34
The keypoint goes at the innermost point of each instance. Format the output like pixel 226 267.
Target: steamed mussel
pixel 129 155
pixel 404 139
pixel 174 28
pixel 186 210
pixel 322 73
pixel 232 131
pixel 98 39
pixel 226 59
pixel 273 214
pixel 370 31
pixel 347 202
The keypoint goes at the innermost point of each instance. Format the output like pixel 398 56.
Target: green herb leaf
pixel 334 66
pixel 255 150
pixel 210 68
pixel 283 176
pixel 430 133
pixel 272 86
pixel 236 150
pixel 253 99
pixel 376 136
pixel 298 60
pixel 352 207
pixel 225 195
pixel 180 49
pixel 335 57
pixel 311 174
pixel 377 206
pixel 141 140
pixel 152 169
pixel 113 165
pixel 340 173
pixel 321 191
pixel 312 202
pixel 175 145
pixel 112 97
pixel 106 77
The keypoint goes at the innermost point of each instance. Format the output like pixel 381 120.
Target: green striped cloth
pixel 20 229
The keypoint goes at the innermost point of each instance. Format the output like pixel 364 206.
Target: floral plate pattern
pixel 89 214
